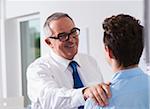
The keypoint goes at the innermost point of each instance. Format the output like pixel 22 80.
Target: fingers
pixel 106 88
pixel 99 93
pixel 102 94
pixel 97 96
pixel 108 83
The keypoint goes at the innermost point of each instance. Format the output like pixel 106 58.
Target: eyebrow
pixel 67 32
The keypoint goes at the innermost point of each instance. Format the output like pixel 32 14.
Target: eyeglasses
pixel 64 36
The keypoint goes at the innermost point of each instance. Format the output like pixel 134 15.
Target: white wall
pixel 87 14
pixel 0 55
pixel 13 58
pixel 2 50
pixel 0 67
pixel 147 32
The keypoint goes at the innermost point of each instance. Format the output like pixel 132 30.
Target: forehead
pixel 63 24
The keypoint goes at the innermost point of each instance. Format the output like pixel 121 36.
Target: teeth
pixel 70 46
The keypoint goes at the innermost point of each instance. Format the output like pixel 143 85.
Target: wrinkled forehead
pixel 61 25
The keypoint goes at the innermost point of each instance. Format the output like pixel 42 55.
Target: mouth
pixel 70 46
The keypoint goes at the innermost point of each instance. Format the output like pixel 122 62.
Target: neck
pixel 117 68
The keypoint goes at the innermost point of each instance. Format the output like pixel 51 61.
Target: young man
pixel 62 79
pixel 123 43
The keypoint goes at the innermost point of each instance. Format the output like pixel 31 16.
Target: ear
pixel 48 42
pixel 109 52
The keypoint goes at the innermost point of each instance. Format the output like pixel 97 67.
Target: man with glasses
pixel 64 79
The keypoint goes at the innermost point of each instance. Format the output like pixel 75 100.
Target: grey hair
pixel 54 16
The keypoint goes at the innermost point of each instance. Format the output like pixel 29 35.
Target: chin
pixel 71 56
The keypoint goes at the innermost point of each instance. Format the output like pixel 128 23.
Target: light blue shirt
pixel 130 90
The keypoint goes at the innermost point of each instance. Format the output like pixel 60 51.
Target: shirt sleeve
pixel 43 89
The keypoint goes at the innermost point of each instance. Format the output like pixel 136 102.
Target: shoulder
pixel 41 61
pixel 129 88
pixel 90 104
pixel 86 58
pixel 39 66
pixel 81 55
pixel 87 61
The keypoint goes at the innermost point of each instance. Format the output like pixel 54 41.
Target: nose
pixel 71 38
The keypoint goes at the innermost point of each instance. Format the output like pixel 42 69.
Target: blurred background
pixel 21 37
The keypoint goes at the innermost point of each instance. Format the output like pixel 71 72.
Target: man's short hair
pixel 54 16
pixel 123 34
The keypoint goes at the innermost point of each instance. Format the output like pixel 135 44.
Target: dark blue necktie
pixel 77 81
pixel 76 78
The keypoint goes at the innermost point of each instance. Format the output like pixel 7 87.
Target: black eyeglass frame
pixel 67 35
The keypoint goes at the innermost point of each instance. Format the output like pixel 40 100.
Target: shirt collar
pixel 62 62
pixel 76 59
pixel 127 73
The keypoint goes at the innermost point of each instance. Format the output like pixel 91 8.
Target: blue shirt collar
pixel 126 73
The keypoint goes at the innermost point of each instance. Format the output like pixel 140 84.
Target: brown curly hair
pixel 123 34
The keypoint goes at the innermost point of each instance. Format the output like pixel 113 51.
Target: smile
pixel 70 46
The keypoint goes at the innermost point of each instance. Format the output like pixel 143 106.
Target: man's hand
pixel 99 93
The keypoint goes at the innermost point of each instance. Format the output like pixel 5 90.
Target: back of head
pixel 124 36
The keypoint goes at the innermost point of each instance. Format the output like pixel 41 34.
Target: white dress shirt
pixel 50 81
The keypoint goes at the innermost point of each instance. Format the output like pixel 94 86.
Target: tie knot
pixel 73 64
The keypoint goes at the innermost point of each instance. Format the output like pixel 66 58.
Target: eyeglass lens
pixel 65 36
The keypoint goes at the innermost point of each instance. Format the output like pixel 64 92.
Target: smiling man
pixel 64 79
